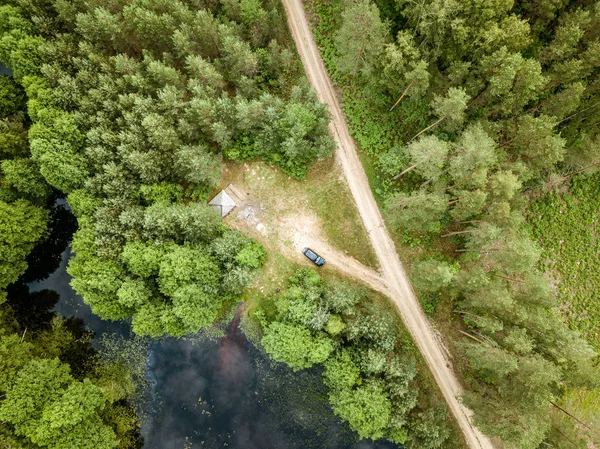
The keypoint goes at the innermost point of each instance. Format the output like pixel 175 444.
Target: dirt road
pixel 307 233
pixel 393 273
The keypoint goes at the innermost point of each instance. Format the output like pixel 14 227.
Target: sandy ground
pixel 400 290
pixel 291 230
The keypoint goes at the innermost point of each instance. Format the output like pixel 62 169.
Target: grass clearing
pixel 331 199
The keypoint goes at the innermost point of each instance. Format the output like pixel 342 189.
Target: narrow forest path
pixel 401 292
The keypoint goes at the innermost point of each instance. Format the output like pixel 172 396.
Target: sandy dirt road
pixel 306 233
pixel 393 273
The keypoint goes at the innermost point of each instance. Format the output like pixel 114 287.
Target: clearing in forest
pixel 287 215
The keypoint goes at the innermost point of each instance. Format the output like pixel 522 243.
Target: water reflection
pixel 213 393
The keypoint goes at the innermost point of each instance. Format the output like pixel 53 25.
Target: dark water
pixel 5 70
pixel 217 392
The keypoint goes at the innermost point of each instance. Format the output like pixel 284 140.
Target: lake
pixel 208 392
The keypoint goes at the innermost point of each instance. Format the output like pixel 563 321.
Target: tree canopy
pixel 466 107
pixel 372 378
pixel 133 107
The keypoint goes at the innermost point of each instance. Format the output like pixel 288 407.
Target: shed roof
pixel 222 203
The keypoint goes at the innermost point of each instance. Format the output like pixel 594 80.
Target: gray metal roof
pixel 222 203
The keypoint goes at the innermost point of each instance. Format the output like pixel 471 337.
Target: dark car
pixel 318 260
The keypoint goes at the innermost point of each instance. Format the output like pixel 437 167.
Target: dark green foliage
pixel 360 39
pixel 12 96
pixel 134 105
pixel 372 384
pixel 56 391
pixel 23 191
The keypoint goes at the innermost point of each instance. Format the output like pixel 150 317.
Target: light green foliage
pixel 133 292
pixel 341 372
pixel 38 384
pixel 473 156
pixel 564 225
pixel 428 153
pixel 143 259
pixel 335 325
pixel 195 307
pixel 417 211
pixel 295 346
pixel 374 327
pixel 251 255
pixel 21 226
pixel 493 363
pixel 371 385
pixel 503 185
pixel 173 288
pixel 512 80
pixel 367 408
pixel 534 140
pixel 301 303
pixel 342 297
pixel 431 275
pixel 13 356
pixel 519 83
pixel 192 223
pixel 373 361
pixel 21 53
pixel 360 39
pixel 400 373
pixel 182 266
pixel 99 280
pixel 198 166
pixel 470 203
pixel 451 107
pixel 46 405
pixel 402 59
pixel 55 143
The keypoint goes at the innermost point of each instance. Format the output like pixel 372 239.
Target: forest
pixel 132 127
pixel 369 361
pixel 466 111
pixel 127 109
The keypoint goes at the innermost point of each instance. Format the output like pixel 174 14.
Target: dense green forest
pixel 57 391
pixel 134 104
pixel 128 108
pixel 375 381
pixel 55 388
pixel 463 111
